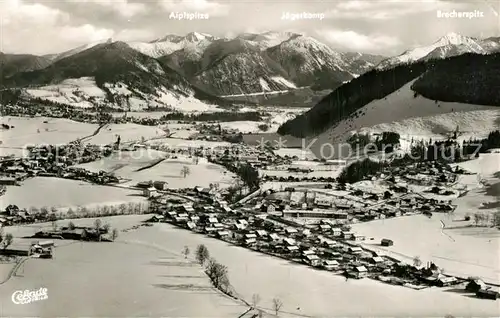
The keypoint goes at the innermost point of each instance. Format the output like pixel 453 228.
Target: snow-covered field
pixel 126 164
pixel 127 278
pixel 62 193
pixel 307 292
pixel 127 132
pixel 415 117
pixel 51 131
pixel 163 285
pixel 43 130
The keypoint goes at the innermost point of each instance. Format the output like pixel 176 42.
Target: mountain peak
pixel 195 36
pixel 453 38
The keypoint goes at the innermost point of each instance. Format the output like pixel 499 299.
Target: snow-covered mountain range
pixel 200 64
pixel 451 44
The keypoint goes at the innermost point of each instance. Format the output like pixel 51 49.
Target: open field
pixel 52 131
pixel 62 131
pixel 62 193
pixel 121 279
pixel 126 164
pixel 305 291
pixel 127 132
pixel 148 259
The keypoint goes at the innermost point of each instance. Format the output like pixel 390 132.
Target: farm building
pixel 150 192
pixel 386 242
pixel 312 260
pixel 360 272
pixel 475 285
pixel 331 265
pixel 487 294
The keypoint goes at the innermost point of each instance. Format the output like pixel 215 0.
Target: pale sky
pixel 386 27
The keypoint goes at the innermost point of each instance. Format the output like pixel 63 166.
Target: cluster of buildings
pixel 55 161
pixel 324 246
pixel 344 207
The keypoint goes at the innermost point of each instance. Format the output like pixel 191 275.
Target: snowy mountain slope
pixel 242 72
pixel 267 39
pixel 58 56
pixel 418 117
pixel 299 60
pixel 360 63
pixel 85 93
pixel 310 62
pixel 171 43
pixel 142 80
pixel 449 45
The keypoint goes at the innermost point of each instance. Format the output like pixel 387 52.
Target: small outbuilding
pixel 386 242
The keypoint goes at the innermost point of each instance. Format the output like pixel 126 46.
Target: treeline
pixel 452 151
pixel 217 272
pixel 454 79
pixel 360 170
pixel 217 116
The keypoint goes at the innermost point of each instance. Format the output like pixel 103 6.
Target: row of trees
pixel 485 219
pixel 218 274
pixel 219 116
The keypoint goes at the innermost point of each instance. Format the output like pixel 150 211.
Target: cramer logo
pixel 460 14
pixel 23 297
pixel 188 16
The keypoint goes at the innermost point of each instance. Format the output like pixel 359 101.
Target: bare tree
pixel 105 210
pixel 202 254
pixel 255 300
pixel 477 219
pixel 277 304
pixel 417 262
pixel 114 234
pixel 218 274
pixel 8 239
pixel 496 219
pixel 123 208
pixel 97 224
pixel 130 207
pixel 106 227
pixel 44 210
pixel 185 171
pixel 185 251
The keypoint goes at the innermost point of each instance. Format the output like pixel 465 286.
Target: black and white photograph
pixel 249 158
